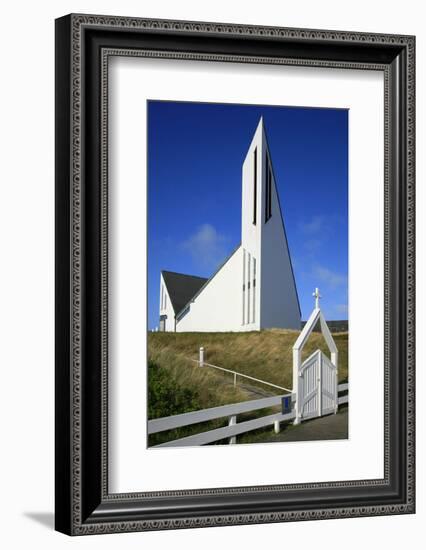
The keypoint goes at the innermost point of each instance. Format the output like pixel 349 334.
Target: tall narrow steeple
pixel 272 289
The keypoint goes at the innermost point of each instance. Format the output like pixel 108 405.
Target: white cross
pixel 317 297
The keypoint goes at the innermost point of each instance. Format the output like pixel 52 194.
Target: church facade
pixel 254 288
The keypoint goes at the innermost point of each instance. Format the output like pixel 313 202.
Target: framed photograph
pixel 234 274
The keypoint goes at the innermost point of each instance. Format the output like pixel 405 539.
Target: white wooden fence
pixel 235 374
pixel 231 411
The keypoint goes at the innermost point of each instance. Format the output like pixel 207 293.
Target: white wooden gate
pixel 317 387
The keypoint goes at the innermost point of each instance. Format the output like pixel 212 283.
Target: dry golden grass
pixel 266 355
pixel 211 386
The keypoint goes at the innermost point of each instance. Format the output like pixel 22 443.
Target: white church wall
pixel 251 223
pixel 166 308
pixel 219 306
pixel 279 303
pixel 249 292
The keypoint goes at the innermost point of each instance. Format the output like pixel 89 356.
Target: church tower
pixel 269 294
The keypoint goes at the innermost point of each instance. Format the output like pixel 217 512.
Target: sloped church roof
pixel 181 287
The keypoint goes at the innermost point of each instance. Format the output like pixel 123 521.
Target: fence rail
pixel 186 419
pixel 230 411
pixel 228 431
pixel 241 375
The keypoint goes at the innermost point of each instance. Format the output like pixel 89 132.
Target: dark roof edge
pixel 208 280
pixel 184 274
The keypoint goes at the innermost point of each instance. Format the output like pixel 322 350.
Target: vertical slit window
pixel 248 289
pixel 161 299
pixel 244 286
pixel 268 190
pixel 255 187
pixel 254 290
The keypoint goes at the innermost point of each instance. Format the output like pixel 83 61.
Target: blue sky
pixel 195 154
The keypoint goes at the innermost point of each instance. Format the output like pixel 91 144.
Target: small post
pixel 235 379
pixel 201 358
pixel 277 426
pixel 232 422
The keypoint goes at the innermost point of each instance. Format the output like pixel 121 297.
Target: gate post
pixel 335 362
pixel 296 384
pixel 319 383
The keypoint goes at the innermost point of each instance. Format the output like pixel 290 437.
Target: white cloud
pixel 312 246
pixel 313 226
pixel 328 277
pixel 206 246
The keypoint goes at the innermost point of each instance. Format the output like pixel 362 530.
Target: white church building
pixel 254 288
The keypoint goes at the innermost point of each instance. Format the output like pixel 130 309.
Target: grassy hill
pixel 266 354
pixel 177 385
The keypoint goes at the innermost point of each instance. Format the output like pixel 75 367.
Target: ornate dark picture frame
pixel 83 45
